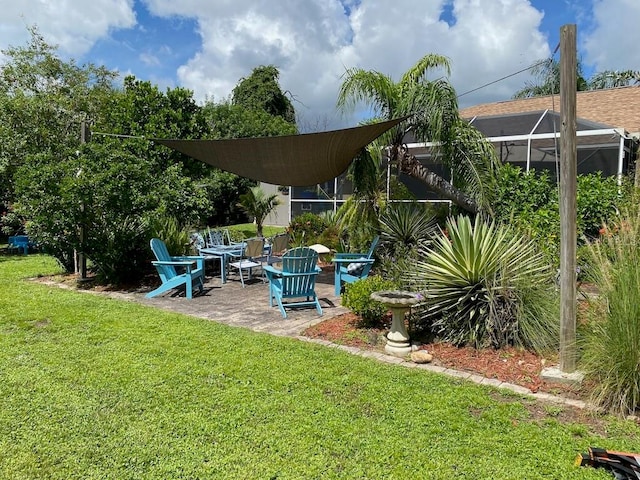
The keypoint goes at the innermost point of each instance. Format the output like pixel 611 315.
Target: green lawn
pixel 92 387
pixel 248 230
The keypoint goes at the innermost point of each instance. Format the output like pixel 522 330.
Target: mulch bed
pixel 511 365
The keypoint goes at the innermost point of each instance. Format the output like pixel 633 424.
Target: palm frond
pixel 418 72
pixel 372 88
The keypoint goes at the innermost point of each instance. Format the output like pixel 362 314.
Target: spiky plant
pixel 611 353
pixel 486 285
pixel 406 225
pixel 403 226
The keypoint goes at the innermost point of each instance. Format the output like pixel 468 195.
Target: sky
pixel 207 46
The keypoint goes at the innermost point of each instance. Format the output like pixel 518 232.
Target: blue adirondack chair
pixel 296 279
pixel 19 242
pixel 350 267
pixel 176 271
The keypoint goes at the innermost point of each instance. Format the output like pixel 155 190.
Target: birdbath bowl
pixel 398 301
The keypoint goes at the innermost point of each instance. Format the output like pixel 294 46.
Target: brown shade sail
pixel 296 160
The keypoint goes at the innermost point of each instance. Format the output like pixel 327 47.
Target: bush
pixel 306 229
pixel 611 354
pixel 357 298
pixel 529 201
pixel 486 285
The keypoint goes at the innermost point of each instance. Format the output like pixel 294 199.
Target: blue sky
pixel 208 45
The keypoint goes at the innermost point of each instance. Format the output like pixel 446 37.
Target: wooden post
pixel 82 260
pixel 568 180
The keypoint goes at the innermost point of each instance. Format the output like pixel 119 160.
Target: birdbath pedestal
pixel 398 301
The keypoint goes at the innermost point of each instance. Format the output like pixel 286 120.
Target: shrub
pixel 357 298
pixel 611 352
pixel 529 201
pixel 486 285
pixel 175 236
pixel 305 229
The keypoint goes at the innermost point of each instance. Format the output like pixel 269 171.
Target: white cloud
pixel 613 42
pixel 73 25
pixel 313 42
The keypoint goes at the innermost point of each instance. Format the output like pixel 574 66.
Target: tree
pixel 43 101
pixel 432 111
pixel 263 112
pixel 614 78
pixel 547 75
pixel 261 91
pixel 258 204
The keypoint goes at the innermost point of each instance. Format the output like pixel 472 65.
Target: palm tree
pixel 547 74
pixel 614 78
pixel 258 204
pixel 431 108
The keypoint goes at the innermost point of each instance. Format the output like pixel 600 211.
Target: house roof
pixel 616 107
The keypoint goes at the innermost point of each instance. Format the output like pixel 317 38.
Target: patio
pixel 248 307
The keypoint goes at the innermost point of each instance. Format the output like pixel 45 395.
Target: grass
pixel 93 387
pixel 248 230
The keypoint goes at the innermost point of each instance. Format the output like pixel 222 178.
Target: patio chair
pixel 19 242
pixel 350 267
pixel 279 245
pixel 297 279
pixel 176 271
pixel 198 242
pixel 215 238
pixel 251 256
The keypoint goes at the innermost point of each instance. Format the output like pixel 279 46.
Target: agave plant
pixel 486 285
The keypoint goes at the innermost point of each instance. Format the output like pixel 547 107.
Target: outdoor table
pixel 224 253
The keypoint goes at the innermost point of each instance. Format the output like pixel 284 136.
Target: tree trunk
pixel 411 166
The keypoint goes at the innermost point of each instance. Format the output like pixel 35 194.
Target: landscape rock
pixel 421 356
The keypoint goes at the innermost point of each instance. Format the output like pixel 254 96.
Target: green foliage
pixel 236 121
pixel 529 201
pixel 431 108
pixel 333 236
pixel 174 234
pixel 306 229
pixel 486 285
pixel 258 204
pixel 547 74
pixel 11 223
pixel 403 228
pixel 597 198
pixel 358 216
pixel 611 352
pixel 261 91
pixel 357 298
pixel 43 101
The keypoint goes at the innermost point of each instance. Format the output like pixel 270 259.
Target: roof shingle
pixel 616 107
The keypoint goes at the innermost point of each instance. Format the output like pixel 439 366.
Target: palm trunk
pixel 411 166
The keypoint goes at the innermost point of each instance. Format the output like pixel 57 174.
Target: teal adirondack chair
pixel 297 279
pixel 350 267
pixel 186 274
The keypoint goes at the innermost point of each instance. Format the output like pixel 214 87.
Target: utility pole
pixel 82 260
pixel 568 180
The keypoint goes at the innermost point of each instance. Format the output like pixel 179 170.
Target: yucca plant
pixel 403 226
pixel 406 225
pixel 611 352
pixel 486 285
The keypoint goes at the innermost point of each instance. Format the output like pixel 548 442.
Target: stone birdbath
pixel 398 301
